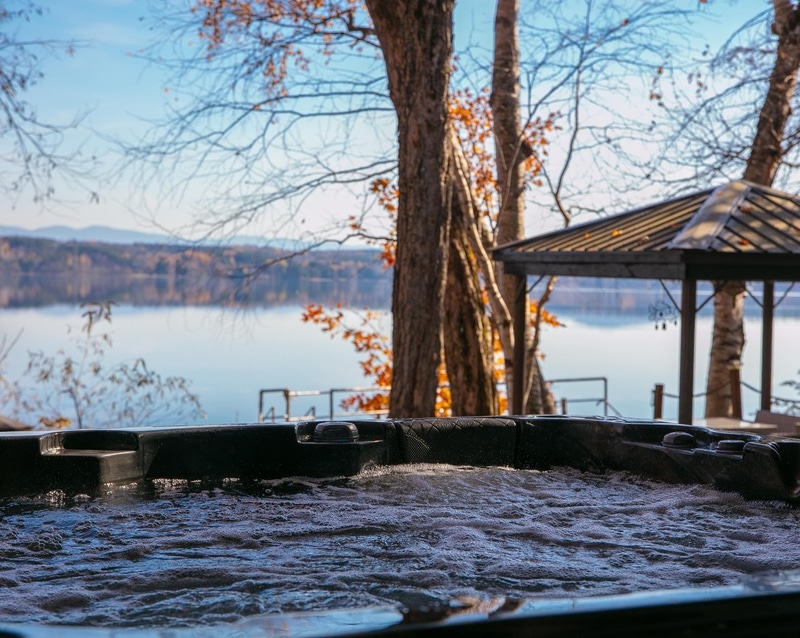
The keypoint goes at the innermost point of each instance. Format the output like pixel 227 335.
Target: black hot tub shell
pixel 758 467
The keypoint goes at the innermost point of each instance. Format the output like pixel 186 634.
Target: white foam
pixel 186 554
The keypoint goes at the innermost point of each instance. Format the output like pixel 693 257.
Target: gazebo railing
pixel 737 412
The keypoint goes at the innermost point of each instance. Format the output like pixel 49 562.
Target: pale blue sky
pixel 103 81
pixel 117 91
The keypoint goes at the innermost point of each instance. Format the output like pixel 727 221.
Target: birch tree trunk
pixel 416 38
pixel 727 344
pixel 765 158
pixel 504 101
pixel 511 151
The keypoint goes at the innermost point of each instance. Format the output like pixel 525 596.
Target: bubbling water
pixel 182 554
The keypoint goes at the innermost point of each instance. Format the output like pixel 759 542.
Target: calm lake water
pixel 230 354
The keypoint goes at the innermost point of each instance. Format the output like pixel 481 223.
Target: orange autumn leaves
pixel 471 115
pixel 364 333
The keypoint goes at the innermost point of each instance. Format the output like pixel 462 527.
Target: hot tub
pixel 557 522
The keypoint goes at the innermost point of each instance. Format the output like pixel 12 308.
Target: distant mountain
pixel 90 233
pixel 109 235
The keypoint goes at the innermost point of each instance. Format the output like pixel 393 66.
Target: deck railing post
pixel 287 395
pixel 686 372
pixel 736 391
pixel 766 345
pixel 658 401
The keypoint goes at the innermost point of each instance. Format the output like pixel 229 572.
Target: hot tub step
pixel 91 468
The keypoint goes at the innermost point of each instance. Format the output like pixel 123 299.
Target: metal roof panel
pixel 736 222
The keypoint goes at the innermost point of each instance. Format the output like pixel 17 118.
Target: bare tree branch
pixel 31 154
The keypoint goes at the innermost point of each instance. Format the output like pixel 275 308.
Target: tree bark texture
pixel 416 38
pixel 767 153
pixel 765 158
pixel 469 355
pixel 507 126
pixel 727 344
pixel 540 398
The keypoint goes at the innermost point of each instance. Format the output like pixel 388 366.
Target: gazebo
pixel 737 232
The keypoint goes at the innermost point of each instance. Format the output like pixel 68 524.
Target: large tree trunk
pixel 416 38
pixel 467 330
pixel 765 158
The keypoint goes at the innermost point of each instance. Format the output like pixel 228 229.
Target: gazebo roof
pixel 737 231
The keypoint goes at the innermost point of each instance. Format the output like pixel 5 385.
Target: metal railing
pixel 315 410
pixel 596 400
pixel 659 394
pixel 328 401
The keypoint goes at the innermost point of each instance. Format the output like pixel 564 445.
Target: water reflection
pixel 35 291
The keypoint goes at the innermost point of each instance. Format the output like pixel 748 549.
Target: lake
pixel 229 353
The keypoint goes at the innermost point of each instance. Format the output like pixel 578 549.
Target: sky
pixel 108 88
pixel 118 94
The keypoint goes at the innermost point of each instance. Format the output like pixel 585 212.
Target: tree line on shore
pixel 24 255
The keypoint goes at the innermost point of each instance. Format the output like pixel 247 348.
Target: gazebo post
pixel 767 315
pixel 518 383
pixel 686 366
